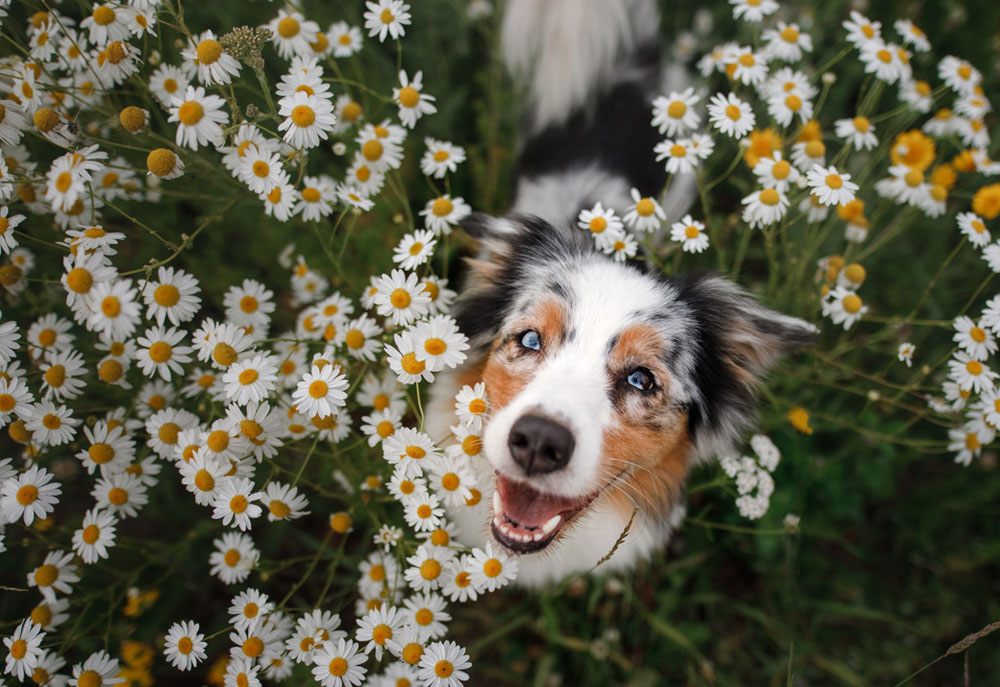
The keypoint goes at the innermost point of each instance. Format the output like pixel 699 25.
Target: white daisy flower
pixel 787 42
pixel 427 614
pixel 202 475
pixel 56 574
pixel 674 114
pixel 412 450
pixel 31 494
pixel 861 30
pixel 249 305
pixel 379 629
pixel 764 207
pixel 451 478
pixel 283 502
pixel 776 172
pixel 234 557
pixel 115 312
pixel 122 494
pixel 974 228
pixel 280 202
pixel 243 670
pixel 603 224
pixel 352 196
pixel 412 101
pixel 160 352
pixel 107 22
pixel 199 118
pixel 402 359
pixel 261 171
pixel 51 425
pixel 339 664
pixel 415 249
pixel 361 337
pixel 730 115
pixel 248 609
pixel 8 223
pixel 440 158
pixel 400 296
pixel 167 82
pixel 439 343
pixel 645 215
pixel 977 342
pixel 491 569
pixel 308 119
pixel 959 75
pixel 882 60
pixel 95 535
pixel 24 650
pixel 753 10
pixel 911 34
pixel 905 353
pixel 832 187
pixel 472 405
pixel 184 645
pixel 387 18
pixel 321 392
pixel 423 511
pixel 443 664
pixel 678 154
pixel 291 33
pixel 346 39
pixel 251 380
pixel 843 306
pixel 110 451
pixel 690 233
pixel 15 399
pixel 235 503
pixel 443 212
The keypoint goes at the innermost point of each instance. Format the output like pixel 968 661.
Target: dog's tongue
pixel 531 508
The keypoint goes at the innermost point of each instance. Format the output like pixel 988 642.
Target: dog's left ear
pixel 737 341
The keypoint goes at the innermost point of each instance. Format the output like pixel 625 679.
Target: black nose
pixel 540 445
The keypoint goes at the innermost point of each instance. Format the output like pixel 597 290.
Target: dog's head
pixel 605 381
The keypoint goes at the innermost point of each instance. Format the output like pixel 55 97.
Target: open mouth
pixel 526 520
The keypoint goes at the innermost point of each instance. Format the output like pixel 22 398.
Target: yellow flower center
pixel 409 96
pixel 793 102
pixel 978 334
pixel 386 16
pixel 91 533
pixel 248 377
pixel 400 298
pixel 224 354
pixel 424 511
pixel 55 376
pixel 101 453
pixel 492 567
pixel 430 569
pixel 27 494
pixel 598 224
pixel 790 34
pixel 974 367
pixel 51 421
pixel 103 15
pixel 190 113
pixel 208 51
pixel 443 668
pixel 834 181
pixel 747 60
pixel 677 150
pixel 692 231
pixel 279 509
pixel 338 667
pixel 161 162
pixel 380 633
pixel 815 149
pixel 110 371
pixel 435 346
pixel 261 169
pixel 385 428
pixel 160 352
pixel 288 27
pixel 851 303
pixel 372 150
pixel 46 575
pixel 733 112
pixel 90 678
pixel 769 196
pixel 253 647
pixel 218 441
pixel 118 496
pixel 318 389
pixel 310 194
pixel 63 182
pixel 355 340
pixel 303 116
pixel 965 71
pixel 351 111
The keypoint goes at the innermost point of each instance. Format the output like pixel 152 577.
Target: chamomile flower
pixel 977 342
pixel 308 119
pixel 905 353
pixel 603 224
pixel 8 223
pixel 184 645
pixel 352 196
pixel 361 337
pixel 235 502
pixel 678 154
pixel 339 664
pixel 402 486
pixel 107 22
pixel 51 425
pixel 427 614
pixel 400 297
pixel 249 305
pixel 787 42
pixel 15 399
pixel 443 664
pixel 491 569
pixel 776 172
pixel 95 535
pixel 959 75
pixel 861 31
pixel 122 494
pixel 691 234
pixel 387 18
pixel 402 359
pixel 346 39
pixel 412 450
pixel 280 202
pixel 234 558
pixel 858 131
pixel 674 114
pixel 438 343
pixel 843 306
pixel 440 158
pixel 291 33
pixel 321 392
pixel 730 115
pixel 785 107
pixel 472 405
pixel 251 380
pixel 882 60
pixel 202 475
pixel 381 424
pixel 444 212
pixel 283 502
pixel 917 94
pixel 753 10
pixel 199 118
pixel 747 67
pixel 61 375
pixel 261 170
pixel 168 82
pixel 423 511
pixel 645 215
pixel 160 352
pixel 248 609
pixel 974 229
pixel 912 34
pixel 110 449
pixel 24 650
pixel 50 614
pixel 29 495
pixel 415 249
pixel 379 629
pixel 412 101
pixel 242 670
pixel 56 575
pixel 832 187
pixel 451 479
pixel 764 207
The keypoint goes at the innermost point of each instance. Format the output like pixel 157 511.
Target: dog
pixel 607 381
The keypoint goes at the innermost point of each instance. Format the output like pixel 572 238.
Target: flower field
pixel 229 248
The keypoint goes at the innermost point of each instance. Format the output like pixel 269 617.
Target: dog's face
pixel 605 382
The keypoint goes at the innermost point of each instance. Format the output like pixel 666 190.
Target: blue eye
pixel 641 379
pixel 530 339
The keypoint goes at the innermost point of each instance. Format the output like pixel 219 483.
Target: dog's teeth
pixel 505 529
pixel 497 503
pixel 538 536
pixel 496 521
pixel 551 524
pixel 526 538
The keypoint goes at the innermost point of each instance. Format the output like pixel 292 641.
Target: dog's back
pixel 589 70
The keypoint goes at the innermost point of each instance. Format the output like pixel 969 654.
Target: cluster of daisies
pixel 213 391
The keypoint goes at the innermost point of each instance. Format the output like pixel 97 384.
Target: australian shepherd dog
pixel 607 380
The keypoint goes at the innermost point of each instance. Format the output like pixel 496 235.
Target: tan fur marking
pixel 661 465
pixel 640 340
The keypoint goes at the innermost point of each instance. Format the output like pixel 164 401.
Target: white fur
pixel 558 197
pixel 565 49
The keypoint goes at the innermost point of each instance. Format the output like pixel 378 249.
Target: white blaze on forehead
pixel 571 383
